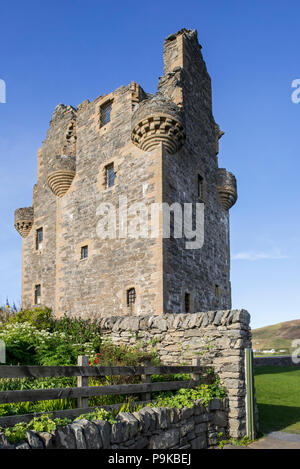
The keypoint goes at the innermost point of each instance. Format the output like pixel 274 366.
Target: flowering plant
pixel 95 360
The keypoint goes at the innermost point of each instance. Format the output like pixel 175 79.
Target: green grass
pixel 278 398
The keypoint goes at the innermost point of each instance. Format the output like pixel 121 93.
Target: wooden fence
pixel 82 393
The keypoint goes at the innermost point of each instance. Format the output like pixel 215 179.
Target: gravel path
pixel 274 440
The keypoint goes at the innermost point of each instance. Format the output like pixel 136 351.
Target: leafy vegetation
pixel 98 414
pixel 187 397
pixel 38 424
pixel 245 441
pixel 178 399
pixel 36 338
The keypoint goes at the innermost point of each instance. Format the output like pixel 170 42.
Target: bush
pixel 78 330
pixel 27 345
pixel 121 355
pixel 41 318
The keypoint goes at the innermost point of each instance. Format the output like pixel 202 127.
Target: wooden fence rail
pixel 92 371
pixel 83 391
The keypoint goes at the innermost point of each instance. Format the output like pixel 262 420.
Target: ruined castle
pixel 159 148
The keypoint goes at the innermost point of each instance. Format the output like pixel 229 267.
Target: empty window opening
pixel 131 296
pixel 200 187
pixel 84 252
pixel 37 295
pixel 187 302
pixel 217 292
pixel 39 239
pixel 110 175
pixel 105 111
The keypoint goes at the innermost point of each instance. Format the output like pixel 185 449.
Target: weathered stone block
pixel 186 428
pixel 64 438
pixel 200 428
pixel 47 439
pixel 130 424
pixel 22 445
pixel 33 440
pixel 104 432
pixel 4 443
pixel 200 442
pixel 77 429
pixel 164 440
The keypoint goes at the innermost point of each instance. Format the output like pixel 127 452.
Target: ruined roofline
pixel 69 108
pixel 190 33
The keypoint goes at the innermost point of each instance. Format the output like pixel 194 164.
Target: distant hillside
pixel 279 336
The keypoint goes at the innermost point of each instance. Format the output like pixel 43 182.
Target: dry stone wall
pixel 218 338
pixel 276 361
pixel 150 428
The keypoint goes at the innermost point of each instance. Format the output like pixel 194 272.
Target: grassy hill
pixel 279 336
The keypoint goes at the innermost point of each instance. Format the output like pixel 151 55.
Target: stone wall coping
pixel 169 321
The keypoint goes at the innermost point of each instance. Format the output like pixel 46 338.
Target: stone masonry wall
pixel 218 338
pixel 150 428
pixel 204 273
pixel 275 361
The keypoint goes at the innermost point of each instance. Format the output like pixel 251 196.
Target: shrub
pixel 79 330
pixel 27 345
pixel 41 318
pixel 121 355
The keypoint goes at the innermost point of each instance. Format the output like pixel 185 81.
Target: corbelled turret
pixel 226 186
pixel 158 120
pixel 24 220
pixel 62 169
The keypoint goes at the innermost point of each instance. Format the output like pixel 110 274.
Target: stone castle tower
pixel 148 148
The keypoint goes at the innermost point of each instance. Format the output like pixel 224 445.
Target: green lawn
pixel 278 398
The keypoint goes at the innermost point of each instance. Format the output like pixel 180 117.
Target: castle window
pixel 200 187
pixel 187 302
pixel 84 252
pixel 37 295
pixel 39 239
pixel 217 292
pixel 131 296
pixel 110 175
pixel 105 111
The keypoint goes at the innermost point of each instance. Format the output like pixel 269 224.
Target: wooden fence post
pixel 146 378
pixel 82 381
pixel 196 376
pixel 249 393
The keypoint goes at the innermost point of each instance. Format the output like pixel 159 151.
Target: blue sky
pixel 67 51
